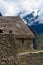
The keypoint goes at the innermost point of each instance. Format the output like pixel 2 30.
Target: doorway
pixel 34 44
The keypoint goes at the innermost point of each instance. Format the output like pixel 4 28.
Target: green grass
pixel 29 50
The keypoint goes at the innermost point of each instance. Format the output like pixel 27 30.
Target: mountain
pixel 34 22
pixel 38 28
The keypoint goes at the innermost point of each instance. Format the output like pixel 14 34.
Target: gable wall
pixel 24 44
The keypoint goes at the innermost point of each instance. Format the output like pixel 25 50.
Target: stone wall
pixel 9 52
pixel 8 49
pixel 30 59
pixel 24 43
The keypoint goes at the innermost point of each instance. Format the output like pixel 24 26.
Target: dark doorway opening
pixel 22 41
pixel 34 44
pixel 42 48
pixel 1 31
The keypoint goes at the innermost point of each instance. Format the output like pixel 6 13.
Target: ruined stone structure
pixel 31 59
pixel 8 49
pixel 24 36
pixel 20 36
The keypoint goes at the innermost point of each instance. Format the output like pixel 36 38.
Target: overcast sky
pixel 13 7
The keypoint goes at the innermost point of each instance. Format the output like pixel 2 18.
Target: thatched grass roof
pixel 17 25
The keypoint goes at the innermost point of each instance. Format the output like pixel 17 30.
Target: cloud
pixel 13 7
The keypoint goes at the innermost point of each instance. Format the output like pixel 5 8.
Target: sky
pixel 13 7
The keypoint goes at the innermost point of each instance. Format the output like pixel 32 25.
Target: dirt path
pixel 29 52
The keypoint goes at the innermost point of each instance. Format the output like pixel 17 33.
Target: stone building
pixel 14 35
pixel 24 36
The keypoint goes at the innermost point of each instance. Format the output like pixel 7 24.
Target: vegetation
pixel 28 50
